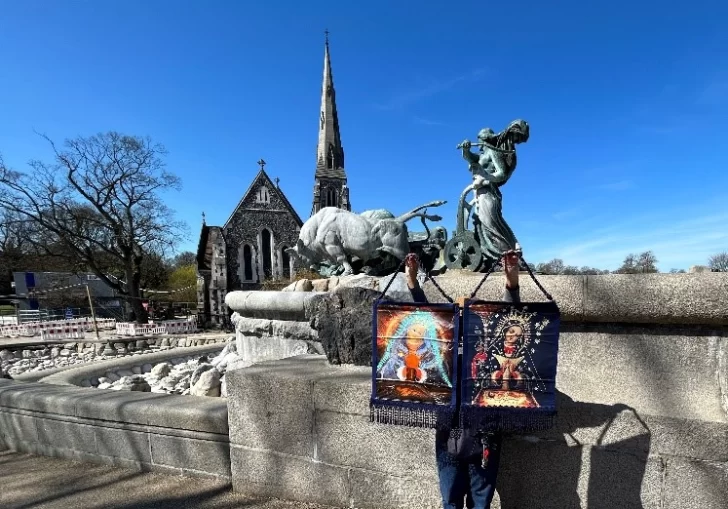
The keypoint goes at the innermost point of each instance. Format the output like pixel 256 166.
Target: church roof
pixel 262 178
pixel 204 253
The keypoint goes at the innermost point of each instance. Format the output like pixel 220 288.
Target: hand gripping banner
pixel 414 363
pixel 509 365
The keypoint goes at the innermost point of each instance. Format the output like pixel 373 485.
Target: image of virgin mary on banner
pixel 509 365
pixel 414 363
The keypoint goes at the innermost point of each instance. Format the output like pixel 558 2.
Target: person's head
pixel 518 131
pixel 513 334
pixel 486 135
pixel 415 336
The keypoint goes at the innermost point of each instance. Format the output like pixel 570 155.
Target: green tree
pixel 183 284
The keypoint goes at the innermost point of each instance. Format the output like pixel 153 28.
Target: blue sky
pixel 627 102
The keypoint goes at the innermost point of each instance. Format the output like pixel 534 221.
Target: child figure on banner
pixel 467 459
pixel 414 356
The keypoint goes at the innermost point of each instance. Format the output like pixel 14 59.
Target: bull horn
pixel 413 213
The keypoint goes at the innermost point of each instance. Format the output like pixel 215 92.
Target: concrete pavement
pixel 38 482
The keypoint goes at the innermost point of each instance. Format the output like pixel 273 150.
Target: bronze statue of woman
pixel 491 167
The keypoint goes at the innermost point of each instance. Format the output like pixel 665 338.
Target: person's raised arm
pixel 411 265
pixel 512 292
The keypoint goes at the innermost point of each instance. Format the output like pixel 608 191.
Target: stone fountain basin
pixel 88 375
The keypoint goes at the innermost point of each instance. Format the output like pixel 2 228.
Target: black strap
pixel 427 277
pixel 492 268
pixel 497 263
pixel 538 283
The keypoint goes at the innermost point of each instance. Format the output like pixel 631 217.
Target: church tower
pixel 330 189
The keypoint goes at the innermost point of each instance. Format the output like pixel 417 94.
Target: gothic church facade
pixel 251 246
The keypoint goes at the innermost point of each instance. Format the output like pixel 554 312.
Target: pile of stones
pixel 38 359
pixel 31 359
pixel 203 376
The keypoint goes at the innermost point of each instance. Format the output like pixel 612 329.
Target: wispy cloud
pixel 427 121
pixel 678 244
pixel 433 87
pixel 566 214
pixel 715 93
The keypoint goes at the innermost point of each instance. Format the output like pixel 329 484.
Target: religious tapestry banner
pixel 414 363
pixel 510 353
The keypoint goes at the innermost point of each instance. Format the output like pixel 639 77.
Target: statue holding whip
pixel 491 167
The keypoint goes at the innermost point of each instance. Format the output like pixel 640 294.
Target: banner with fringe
pixel 414 363
pixel 509 363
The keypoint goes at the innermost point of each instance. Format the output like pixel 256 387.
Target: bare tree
pixel 555 266
pixel 644 263
pixel 719 262
pixel 98 205
pixel 184 259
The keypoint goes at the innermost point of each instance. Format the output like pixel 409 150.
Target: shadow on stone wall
pixel 602 464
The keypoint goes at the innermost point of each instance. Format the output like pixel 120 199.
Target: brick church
pixel 251 246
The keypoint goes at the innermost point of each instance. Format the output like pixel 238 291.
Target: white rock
pixel 208 384
pixel 161 370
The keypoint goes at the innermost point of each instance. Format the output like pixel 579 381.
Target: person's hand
pixel 466 145
pixel 411 266
pixel 511 268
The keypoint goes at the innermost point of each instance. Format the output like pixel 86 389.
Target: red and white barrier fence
pixel 156 328
pixel 30 329
pixel 62 333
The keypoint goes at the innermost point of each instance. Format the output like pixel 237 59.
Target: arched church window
pixel 285 262
pixel 331 200
pixel 267 253
pixel 262 196
pixel 247 263
pixel 330 157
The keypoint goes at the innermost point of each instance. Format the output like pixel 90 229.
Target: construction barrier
pixel 62 333
pixel 156 328
pixel 30 329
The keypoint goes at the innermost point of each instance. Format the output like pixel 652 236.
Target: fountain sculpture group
pixel 339 242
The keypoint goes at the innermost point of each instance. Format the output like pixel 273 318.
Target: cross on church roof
pixel 326 32
pixel 262 164
pixel 277 180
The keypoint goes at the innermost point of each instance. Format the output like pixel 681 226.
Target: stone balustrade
pixel 643 407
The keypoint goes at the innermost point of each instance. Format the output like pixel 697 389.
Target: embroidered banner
pixel 414 363
pixel 509 365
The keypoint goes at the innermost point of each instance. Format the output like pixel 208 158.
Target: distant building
pixel 251 246
pixel 31 288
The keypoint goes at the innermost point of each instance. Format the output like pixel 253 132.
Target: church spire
pixel 330 188
pixel 330 153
